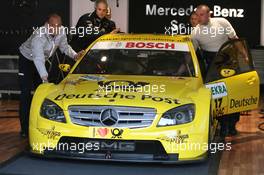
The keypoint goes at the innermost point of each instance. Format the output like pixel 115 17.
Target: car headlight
pixel 52 111
pixel 179 115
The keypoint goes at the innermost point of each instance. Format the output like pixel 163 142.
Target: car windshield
pixel 151 59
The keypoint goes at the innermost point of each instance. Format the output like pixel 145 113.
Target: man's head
pixel 101 8
pixel 203 13
pixel 194 19
pixel 54 23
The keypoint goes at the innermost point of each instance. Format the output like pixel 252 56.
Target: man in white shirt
pixel 40 46
pixel 209 35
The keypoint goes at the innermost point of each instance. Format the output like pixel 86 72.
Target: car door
pixel 233 81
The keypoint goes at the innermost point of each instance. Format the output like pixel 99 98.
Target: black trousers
pixel 29 79
pixel 228 122
pixel 209 57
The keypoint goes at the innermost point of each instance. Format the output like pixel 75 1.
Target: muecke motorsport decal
pixel 50 133
pixel 175 138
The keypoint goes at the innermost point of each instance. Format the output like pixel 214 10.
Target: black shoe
pixel 23 134
pixel 223 132
pixel 232 132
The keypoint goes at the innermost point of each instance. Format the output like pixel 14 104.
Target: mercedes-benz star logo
pixel 109 117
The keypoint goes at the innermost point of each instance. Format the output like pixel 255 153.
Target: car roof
pixel 145 37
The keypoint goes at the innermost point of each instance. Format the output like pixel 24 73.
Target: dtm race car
pixel 142 98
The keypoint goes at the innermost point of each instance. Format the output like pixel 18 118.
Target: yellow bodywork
pixel 45 133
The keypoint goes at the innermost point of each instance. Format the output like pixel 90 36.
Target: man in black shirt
pixel 96 22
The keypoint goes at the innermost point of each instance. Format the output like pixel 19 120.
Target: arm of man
pixel 229 30
pixel 38 57
pixel 112 25
pixel 66 48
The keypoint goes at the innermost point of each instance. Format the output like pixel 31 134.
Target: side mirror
pixel 65 67
pixel 227 72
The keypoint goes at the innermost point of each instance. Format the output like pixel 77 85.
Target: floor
pixel 10 141
pixel 247 153
pixel 245 157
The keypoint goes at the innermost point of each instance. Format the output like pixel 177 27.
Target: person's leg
pixel 27 96
pixel 36 78
pixel 233 119
pixel 208 58
pixel 262 99
pixel 224 125
pixel 25 82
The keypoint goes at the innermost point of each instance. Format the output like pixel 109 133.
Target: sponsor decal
pixel 219 109
pixel 218 90
pixel 85 78
pixel 117 133
pixel 150 45
pixel 243 102
pixel 91 78
pixel 49 133
pixel 175 138
pixel 102 132
pixel 160 99
pixel 157 45
pixel 139 38
pixel 75 81
pixel 117 96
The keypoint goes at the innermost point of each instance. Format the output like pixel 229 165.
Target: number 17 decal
pixel 219 109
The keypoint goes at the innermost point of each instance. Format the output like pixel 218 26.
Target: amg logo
pixel 117 146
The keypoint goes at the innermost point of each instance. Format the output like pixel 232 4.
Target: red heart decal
pixel 103 132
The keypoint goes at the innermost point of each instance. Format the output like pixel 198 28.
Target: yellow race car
pixel 142 98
